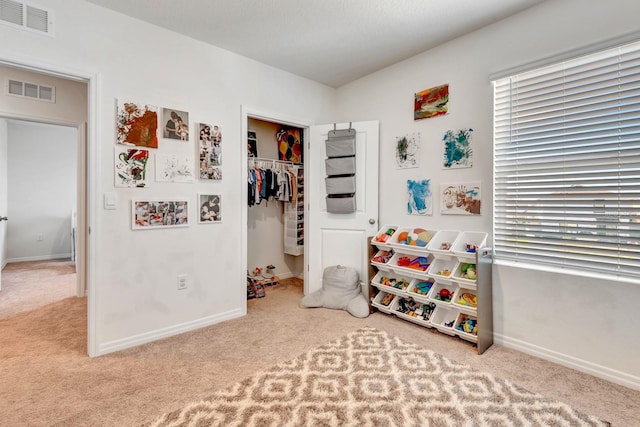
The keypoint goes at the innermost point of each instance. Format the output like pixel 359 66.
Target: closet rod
pixel 273 161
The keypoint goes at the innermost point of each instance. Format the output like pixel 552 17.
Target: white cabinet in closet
pixel 438 279
pixel 294 217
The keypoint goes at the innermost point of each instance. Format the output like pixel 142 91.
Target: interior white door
pixel 3 193
pixel 340 239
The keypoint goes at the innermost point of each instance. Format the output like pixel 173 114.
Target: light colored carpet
pixel 368 378
pixel 46 378
pixel 32 284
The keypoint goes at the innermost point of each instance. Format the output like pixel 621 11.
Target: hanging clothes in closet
pixel 270 179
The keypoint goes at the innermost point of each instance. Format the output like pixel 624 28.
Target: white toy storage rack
pixel 447 254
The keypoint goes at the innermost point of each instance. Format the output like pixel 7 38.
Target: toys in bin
pixel 384 237
pixel 419 263
pixel 416 237
pixel 468 299
pixel 444 295
pixel 401 283
pixel 468 271
pixel 469 326
pixel 382 257
pixel 416 309
pixel 422 288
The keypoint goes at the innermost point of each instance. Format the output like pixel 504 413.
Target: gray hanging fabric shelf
pixel 340 168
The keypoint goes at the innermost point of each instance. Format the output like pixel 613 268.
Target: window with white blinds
pixel 567 164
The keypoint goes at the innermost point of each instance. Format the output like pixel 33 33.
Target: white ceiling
pixel 330 41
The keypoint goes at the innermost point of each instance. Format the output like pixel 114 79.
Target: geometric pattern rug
pixel 368 378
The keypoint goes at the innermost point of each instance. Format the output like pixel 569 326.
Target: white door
pixel 3 192
pixel 340 239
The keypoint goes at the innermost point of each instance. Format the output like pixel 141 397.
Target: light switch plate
pixel 110 201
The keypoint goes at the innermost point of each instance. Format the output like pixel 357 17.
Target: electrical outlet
pixel 39 237
pixel 182 281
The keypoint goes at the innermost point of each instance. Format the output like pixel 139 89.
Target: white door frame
pixel 246 113
pixel 87 237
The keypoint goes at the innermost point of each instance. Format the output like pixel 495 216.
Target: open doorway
pixel 41 207
pixel 44 179
pixel 274 243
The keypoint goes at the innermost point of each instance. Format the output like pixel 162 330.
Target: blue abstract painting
pixel 457 149
pixel 419 193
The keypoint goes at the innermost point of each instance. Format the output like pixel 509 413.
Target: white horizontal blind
pixel 567 164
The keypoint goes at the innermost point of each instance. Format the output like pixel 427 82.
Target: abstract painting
pixel 460 199
pixel 131 167
pixel 408 151
pixel 210 209
pixel 210 149
pixel 420 197
pixel 176 124
pixel 431 102
pixel 174 168
pixel 290 145
pixel 457 151
pixel 137 124
pixel 147 214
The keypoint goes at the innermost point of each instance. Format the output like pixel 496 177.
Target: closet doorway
pixel 275 204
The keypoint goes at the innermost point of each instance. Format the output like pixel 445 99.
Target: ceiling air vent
pixel 25 16
pixel 31 90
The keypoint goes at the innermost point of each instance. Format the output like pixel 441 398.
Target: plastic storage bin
pixel 411 239
pixel 466 273
pixel 419 290
pixel 444 319
pixel 383 301
pixel 468 243
pixel 410 265
pixel 466 327
pixel 381 258
pixel 383 236
pixel 443 293
pixel 413 311
pixel 442 269
pixel 443 243
pixel 465 300
pixel 391 283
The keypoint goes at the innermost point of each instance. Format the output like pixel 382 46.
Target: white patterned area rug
pixel 368 378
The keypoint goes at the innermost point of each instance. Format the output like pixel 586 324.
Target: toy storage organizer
pixel 340 168
pixel 438 279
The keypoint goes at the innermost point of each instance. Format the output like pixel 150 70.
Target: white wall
pixel 265 226
pixel 3 191
pixel 581 322
pixel 41 190
pixel 135 297
pixel 70 106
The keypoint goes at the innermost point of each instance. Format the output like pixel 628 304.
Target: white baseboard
pixel 39 258
pixel 596 370
pixel 122 344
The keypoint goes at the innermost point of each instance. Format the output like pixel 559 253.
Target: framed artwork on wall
pixel 408 151
pixel 457 151
pixel 174 168
pixel 420 200
pixel 137 124
pixel 150 214
pixel 210 151
pixel 460 199
pixel 131 167
pixel 210 206
pixel 252 144
pixel 176 124
pixel 431 102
